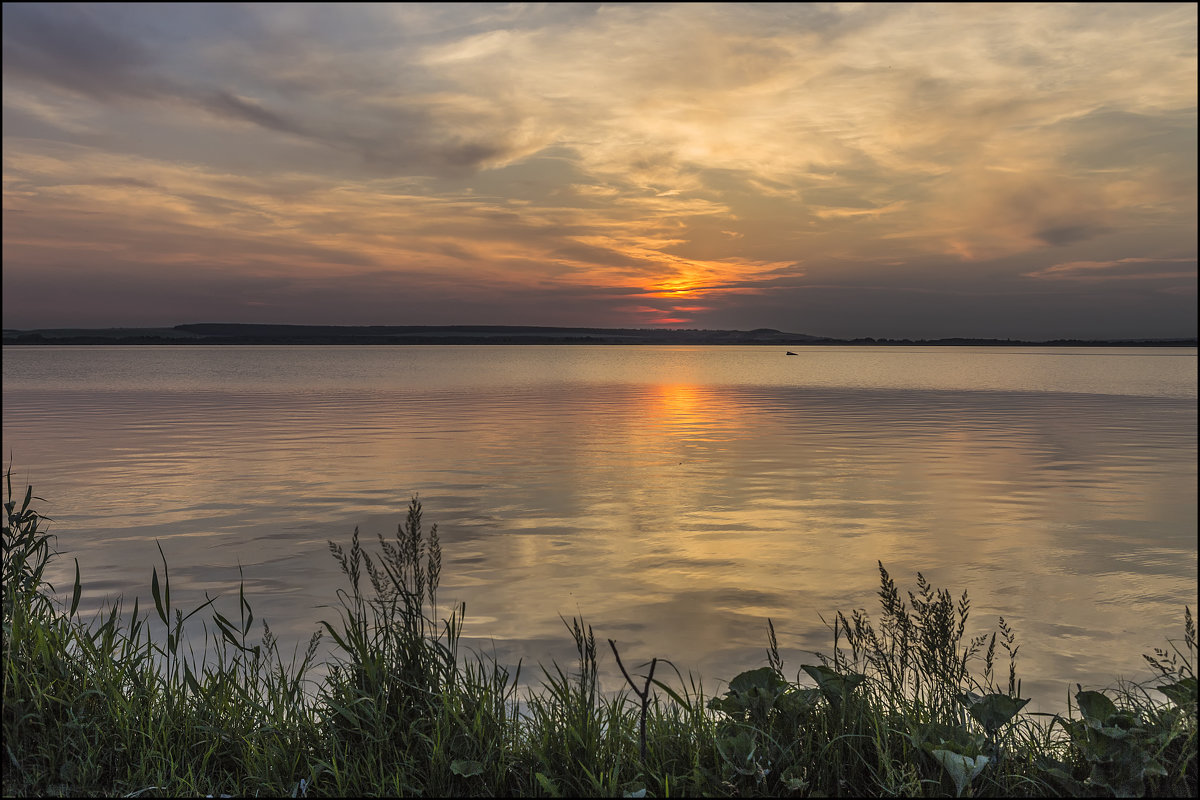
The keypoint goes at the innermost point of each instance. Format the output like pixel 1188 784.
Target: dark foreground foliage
pixel 905 704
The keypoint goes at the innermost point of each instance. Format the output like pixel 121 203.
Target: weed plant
pixel 909 703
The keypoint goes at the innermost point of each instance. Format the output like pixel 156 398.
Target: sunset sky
pixel 870 169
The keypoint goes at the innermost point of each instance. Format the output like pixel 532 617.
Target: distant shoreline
pixel 251 334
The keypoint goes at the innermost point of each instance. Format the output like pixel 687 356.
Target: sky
pixel 886 170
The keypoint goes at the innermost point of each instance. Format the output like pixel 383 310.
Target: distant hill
pixel 240 333
pixel 249 334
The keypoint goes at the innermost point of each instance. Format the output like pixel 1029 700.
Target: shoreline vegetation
pixel 907 702
pixel 255 334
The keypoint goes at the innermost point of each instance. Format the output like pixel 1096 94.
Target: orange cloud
pixel 1119 269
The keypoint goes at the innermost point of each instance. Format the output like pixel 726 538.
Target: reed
pixel 906 703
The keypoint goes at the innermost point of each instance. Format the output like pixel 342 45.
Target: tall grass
pixel 908 703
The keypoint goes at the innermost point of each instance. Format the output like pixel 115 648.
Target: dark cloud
pixel 603 256
pixel 136 183
pixel 1113 139
pixel 1070 234
pixel 66 47
pixel 71 50
pixel 168 297
pixel 894 312
pixel 470 154
pixel 455 251
pixel 224 104
pixel 1148 270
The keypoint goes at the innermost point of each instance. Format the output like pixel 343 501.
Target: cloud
pixel 1123 269
pixel 723 151
pixel 225 104
pixel 73 52
pixel 1070 234
pixel 841 213
pixel 83 57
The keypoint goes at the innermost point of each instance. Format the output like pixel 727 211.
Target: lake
pixel 675 497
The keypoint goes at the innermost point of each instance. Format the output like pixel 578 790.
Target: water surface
pixel 676 497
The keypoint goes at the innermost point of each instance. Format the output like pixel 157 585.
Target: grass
pixel 907 703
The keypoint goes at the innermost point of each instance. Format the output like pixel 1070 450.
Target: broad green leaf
pixel 962 769
pixel 1104 745
pixel 738 751
pixel 764 678
pixel 937 735
pixel 1061 772
pixel 834 685
pixel 1112 732
pixel 1095 707
pixel 754 691
pixel 796 700
pixel 1123 778
pixel 993 711
pixel 730 704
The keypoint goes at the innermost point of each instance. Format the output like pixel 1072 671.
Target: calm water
pixel 677 497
